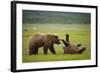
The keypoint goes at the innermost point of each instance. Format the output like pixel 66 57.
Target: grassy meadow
pixel 79 33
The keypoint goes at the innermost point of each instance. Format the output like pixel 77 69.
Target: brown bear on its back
pixel 46 41
pixel 72 49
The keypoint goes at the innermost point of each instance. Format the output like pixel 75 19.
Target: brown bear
pixel 72 49
pixel 46 41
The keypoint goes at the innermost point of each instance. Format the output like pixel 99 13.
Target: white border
pixel 21 65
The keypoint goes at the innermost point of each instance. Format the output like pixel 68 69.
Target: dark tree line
pixel 51 17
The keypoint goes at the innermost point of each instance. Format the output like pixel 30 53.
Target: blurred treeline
pixel 53 17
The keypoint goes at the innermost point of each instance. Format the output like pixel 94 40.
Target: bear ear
pixel 56 36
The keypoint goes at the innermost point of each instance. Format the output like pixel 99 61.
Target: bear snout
pixel 58 42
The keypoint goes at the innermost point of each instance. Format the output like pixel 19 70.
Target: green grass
pixel 79 33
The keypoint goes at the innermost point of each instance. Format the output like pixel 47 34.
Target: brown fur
pixel 46 41
pixel 72 49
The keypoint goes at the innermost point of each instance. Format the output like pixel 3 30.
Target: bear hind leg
pixel 30 50
pixel 36 51
pixel 45 49
pixel 33 50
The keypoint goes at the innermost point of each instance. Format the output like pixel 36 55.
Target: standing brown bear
pixel 46 41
